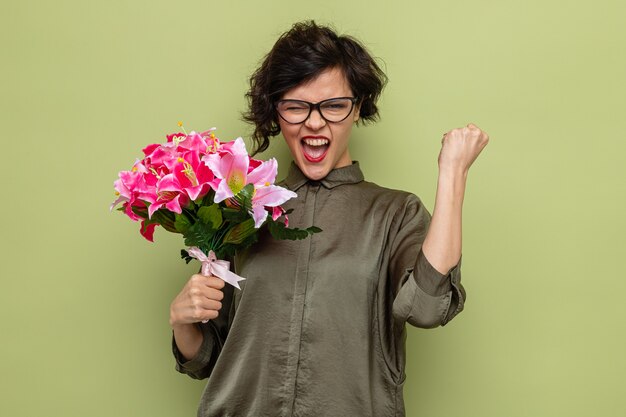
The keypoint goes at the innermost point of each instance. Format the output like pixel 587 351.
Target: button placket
pixel 299 297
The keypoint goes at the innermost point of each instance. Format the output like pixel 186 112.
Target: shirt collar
pixel 350 174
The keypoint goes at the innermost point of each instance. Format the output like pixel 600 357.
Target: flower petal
pixel 150 148
pixel 235 147
pixel 147 231
pixel 175 204
pixel 168 182
pixel 193 142
pixel 259 214
pixel 222 192
pixel 176 137
pixel 277 211
pixel 196 192
pixel 232 168
pixel 117 201
pixel 264 174
pixel 272 195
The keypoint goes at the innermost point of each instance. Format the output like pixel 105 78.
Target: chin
pixel 314 173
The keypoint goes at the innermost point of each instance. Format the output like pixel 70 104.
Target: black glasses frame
pixel 317 106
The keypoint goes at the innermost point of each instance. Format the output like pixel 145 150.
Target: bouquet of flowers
pixel 211 192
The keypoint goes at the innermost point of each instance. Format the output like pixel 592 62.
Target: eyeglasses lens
pixel 333 110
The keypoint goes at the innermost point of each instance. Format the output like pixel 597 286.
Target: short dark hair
pixel 299 55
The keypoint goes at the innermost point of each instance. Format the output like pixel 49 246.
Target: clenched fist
pixel 460 147
pixel 200 299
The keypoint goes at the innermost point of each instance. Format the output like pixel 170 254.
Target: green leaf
pixel 161 217
pixel 166 219
pixel 211 215
pixel 206 200
pixel 240 232
pixel 226 251
pixel 139 211
pixel 281 232
pixel 182 223
pixel 234 215
pixel 199 234
pixel 244 197
pixel 146 223
pixel 247 191
pixel 185 255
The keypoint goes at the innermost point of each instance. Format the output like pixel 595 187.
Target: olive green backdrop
pixel 84 300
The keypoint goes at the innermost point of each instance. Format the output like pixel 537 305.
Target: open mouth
pixel 315 148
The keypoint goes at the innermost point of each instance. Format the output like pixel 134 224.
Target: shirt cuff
pixel 199 361
pixel 433 282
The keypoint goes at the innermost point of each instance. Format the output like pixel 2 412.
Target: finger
pixel 212 305
pixel 208 280
pixel 204 303
pixel 214 294
pixel 206 316
pixel 202 310
pixel 215 282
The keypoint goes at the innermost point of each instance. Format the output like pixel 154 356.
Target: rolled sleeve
pixel 197 367
pixel 435 284
pixel 428 298
pixel 425 298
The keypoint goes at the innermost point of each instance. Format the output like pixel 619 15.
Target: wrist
pixel 453 174
pixel 451 185
pixel 454 178
pixel 185 327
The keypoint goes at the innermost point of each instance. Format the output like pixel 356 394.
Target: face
pixel 316 145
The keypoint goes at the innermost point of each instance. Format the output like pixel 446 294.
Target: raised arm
pixel 460 148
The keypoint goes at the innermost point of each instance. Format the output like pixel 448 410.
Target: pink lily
pixel 132 187
pixel 204 142
pixel 236 146
pixel 147 231
pixel 150 148
pixel 231 168
pixel 194 176
pixel 157 157
pixel 196 142
pixel 264 173
pixel 176 138
pixel 268 196
pixel 278 211
pixel 169 195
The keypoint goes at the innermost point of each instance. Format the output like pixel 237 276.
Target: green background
pixel 85 85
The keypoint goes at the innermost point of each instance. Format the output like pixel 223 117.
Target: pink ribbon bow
pixel 213 266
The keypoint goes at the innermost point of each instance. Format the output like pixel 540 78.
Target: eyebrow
pixel 314 102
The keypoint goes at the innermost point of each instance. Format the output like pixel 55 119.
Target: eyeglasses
pixel 333 110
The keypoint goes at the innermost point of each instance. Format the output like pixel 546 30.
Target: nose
pixel 315 120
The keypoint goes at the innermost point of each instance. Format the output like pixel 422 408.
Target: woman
pixel 318 328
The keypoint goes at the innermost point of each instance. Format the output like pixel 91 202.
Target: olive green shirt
pixel 318 328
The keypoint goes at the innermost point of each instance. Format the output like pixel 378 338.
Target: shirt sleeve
pixel 214 334
pixel 423 296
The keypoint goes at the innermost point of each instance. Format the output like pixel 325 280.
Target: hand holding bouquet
pixel 211 192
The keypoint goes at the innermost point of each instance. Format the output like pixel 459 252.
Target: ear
pixel 357 112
